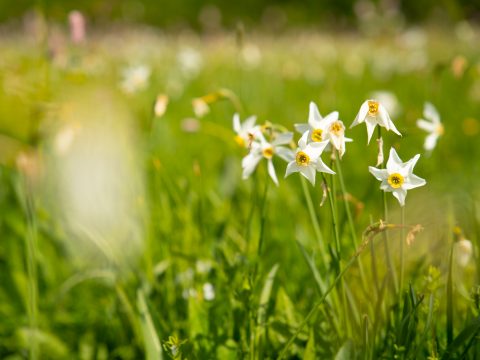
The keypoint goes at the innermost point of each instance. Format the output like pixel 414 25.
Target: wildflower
pixel 432 125
pixel 161 105
pixel 245 131
pixel 307 159
pixel 190 61
pixel 263 149
pixel 77 26
pixel 135 78
pixel 328 128
pixel 373 113
pixel 200 107
pixel 208 292
pixel 463 250
pixel 398 177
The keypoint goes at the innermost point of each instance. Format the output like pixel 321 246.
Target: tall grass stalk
pixel 31 240
pixel 388 256
pixel 348 212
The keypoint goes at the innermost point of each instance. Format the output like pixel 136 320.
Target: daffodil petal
pixel 370 129
pixel 413 182
pixel 301 128
pixel 292 167
pixel 431 113
pixel 430 142
pixel 379 174
pixel 271 171
pixel 283 139
pixel 314 117
pixel 309 173
pixel 400 194
pixel 394 163
pixel 426 125
pixel 321 167
pixel 285 153
pixel 362 113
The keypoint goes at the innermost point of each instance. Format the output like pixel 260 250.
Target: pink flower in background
pixel 77 26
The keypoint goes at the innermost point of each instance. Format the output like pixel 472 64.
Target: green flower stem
pixel 349 217
pixel 314 220
pixel 402 258
pixel 391 269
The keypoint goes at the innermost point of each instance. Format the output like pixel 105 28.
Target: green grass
pixel 106 243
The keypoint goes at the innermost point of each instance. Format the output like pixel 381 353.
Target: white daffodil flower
pixel 432 125
pixel 324 128
pixel 135 78
pixel 307 159
pixel 245 131
pixel 398 177
pixel 373 113
pixel 263 149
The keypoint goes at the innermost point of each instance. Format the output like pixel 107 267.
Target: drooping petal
pixel 370 128
pixel 400 194
pixel 362 113
pixel 309 173
pixel 322 167
pixel 249 163
pixel 383 118
pixel 431 113
pixel 430 142
pixel 393 128
pixel 271 171
pixel 314 116
pixel 413 181
pixel 426 125
pixel 283 139
pixel 236 123
pixel 285 153
pixel 292 167
pixel 301 128
pixel 394 163
pixel 379 174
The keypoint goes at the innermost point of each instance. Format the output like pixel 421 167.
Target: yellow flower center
pixel 302 159
pixel 440 129
pixel 336 128
pixel 395 180
pixel 372 107
pixel 316 135
pixel 267 152
pixel 239 140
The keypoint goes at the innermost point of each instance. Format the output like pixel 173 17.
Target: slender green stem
pixel 314 220
pixel 31 246
pixel 349 217
pixel 402 256
pixel 391 269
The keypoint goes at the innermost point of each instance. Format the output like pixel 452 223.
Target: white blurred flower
pixel 208 292
pixel 263 149
pixel 190 61
pixel 161 104
pixel 307 159
pixel 398 177
pixel 185 276
pixel 321 129
pixel 245 131
pixel 189 293
pixel 251 55
pixel 463 252
pixel 203 266
pixel 431 124
pixel 200 107
pixel 373 113
pixel 135 78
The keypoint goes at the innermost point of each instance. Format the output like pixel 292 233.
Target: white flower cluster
pixel 327 133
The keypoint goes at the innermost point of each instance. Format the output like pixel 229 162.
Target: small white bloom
pixel 373 113
pixel 263 149
pixel 245 131
pixel 161 105
pixel 190 61
pixel 203 266
pixel 200 107
pixel 324 128
pixel 398 177
pixel 463 251
pixel 189 293
pixel 432 125
pixel 208 292
pixel 307 159
pixel 135 78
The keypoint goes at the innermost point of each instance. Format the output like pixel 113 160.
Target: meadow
pixel 128 230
